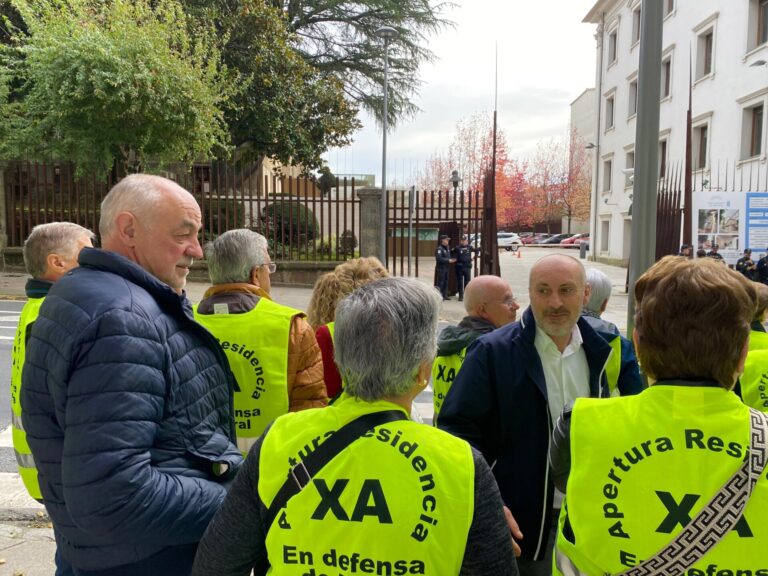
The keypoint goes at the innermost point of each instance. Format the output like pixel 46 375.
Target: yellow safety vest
pixel 642 467
pixel 444 371
pixel 24 458
pixel 754 380
pixel 256 345
pixel 613 366
pixel 398 500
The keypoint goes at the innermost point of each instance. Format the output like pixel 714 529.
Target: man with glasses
pixel 271 348
pixel 489 304
pixel 513 385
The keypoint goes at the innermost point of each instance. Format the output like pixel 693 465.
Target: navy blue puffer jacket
pixel 127 404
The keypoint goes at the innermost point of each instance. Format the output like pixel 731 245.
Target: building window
pixel 605 230
pixel 607 175
pixel 629 170
pixel 705 53
pixel 752 131
pixel 632 98
pixel 662 158
pixel 612 47
pixel 762 22
pixel 610 102
pixel 700 146
pixel 669 7
pixel 666 77
pixel 636 20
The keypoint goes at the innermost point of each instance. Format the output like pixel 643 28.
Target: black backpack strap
pixel 301 474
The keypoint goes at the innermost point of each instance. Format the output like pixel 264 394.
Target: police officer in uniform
pixel 638 470
pixel 399 498
pixel 462 254
pixel 271 348
pixel 443 261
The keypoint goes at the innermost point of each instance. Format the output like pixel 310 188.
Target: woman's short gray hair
pixel 234 254
pixel 600 290
pixel 52 238
pixel 383 332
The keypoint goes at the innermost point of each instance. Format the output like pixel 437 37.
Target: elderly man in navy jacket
pixel 127 400
pixel 513 385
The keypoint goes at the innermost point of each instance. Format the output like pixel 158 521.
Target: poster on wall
pixel 720 219
pixel 757 224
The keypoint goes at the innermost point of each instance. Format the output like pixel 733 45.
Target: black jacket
pixel 442 257
pixel 463 255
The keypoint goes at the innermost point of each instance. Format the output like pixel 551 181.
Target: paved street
pixel 26 541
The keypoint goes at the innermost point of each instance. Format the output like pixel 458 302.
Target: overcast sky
pixel 546 59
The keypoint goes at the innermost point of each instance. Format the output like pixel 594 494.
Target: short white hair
pixel 51 238
pixel 136 193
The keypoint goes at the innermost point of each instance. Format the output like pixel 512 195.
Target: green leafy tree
pixel 288 109
pixel 112 83
pixel 339 39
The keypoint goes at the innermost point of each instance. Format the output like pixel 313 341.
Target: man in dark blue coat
pixel 513 385
pixel 127 401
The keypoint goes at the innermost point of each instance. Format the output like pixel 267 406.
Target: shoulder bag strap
pixel 301 474
pixel 718 517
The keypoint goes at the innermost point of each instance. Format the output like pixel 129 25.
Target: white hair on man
pixel 62 238
pixel 136 193
pixel 233 255
pixel 601 291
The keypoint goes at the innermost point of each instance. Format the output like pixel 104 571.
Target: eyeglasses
pixel 271 267
pixel 509 302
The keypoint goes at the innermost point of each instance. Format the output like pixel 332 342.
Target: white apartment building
pixel 726 43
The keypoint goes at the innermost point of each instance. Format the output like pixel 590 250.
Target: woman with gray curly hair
pixel 358 487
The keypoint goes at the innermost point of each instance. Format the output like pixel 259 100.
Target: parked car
pixel 570 241
pixel 555 239
pixel 536 238
pixel 509 241
pixel 581 241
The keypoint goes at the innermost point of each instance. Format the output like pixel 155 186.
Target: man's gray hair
pixel 136 193
pixel 234 254
pixel 52 238
pixel 600 286
pixel 383 332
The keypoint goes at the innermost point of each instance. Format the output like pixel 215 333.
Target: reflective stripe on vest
pixel 398 500
pixel 24 458
pixel 642 467
pixel 754 380
pixel 444 370
pixel 256 345
pixel 613 366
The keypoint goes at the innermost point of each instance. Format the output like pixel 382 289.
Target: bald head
pixel 558 290
pixel 491 298
pixel 155 223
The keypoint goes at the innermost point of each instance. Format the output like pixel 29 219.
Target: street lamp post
pixel 386 33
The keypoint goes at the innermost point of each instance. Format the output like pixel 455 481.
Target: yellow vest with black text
pixel 256 345
pixel 398 500
pixel 754 380
pixel 444 371
pixel 642 467
pixel 24 458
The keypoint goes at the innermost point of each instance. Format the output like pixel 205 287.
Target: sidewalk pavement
pixel 26 538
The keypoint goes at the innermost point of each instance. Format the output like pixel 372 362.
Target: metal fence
pixel 300 221
pixel 415 219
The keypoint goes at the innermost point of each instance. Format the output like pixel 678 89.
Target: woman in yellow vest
pixel 358 488
pixel 670 481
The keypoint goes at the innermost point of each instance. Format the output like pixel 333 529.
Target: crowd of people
pixel 242 436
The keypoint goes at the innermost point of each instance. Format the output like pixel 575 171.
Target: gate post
pixel 3 199
pixel 370 222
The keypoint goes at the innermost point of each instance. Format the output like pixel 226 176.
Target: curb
pixel 24 515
